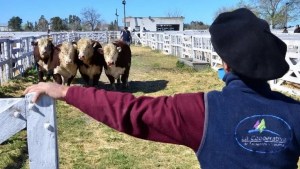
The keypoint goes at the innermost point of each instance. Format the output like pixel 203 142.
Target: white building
pixel 4 27
pixel 155 23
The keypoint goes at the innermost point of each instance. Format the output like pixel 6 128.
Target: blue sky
pixel 192 10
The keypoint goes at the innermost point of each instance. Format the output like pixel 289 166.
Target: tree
pixel 65 24
pixel 276 12
pixel 56 24
pixel 15 23
pixel 196 25
pixel 74 23
pixel 35 26
pixel 28 26
pixel 174 13
pixel 113 26
pixel 90 18
pixel 42 24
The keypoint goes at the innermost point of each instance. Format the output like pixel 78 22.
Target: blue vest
pixel 125 35
pixel 249 126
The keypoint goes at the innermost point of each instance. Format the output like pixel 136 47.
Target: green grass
pixel 86 144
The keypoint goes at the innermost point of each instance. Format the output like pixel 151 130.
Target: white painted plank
pixel 12 117
pixel 42 134
pixel 7 102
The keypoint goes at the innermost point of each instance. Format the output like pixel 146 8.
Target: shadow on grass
pixel 134 86
pixel 3 95
pixel 18 160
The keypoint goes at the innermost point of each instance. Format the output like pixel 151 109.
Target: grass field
pixel 87 144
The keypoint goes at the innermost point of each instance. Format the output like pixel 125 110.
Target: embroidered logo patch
pixel 263 134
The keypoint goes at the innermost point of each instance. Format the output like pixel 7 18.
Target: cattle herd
pixel 87 56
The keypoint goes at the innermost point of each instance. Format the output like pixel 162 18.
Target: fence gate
pixel 40 121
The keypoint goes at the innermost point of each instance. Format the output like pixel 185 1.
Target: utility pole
pixel 117 19
pixel 124 3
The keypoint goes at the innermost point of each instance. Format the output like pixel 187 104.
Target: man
pixel 246 125
pixel 126 36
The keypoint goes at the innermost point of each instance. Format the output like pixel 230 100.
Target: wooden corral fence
pixel 40 122
pixel 16 53
pixel 194 47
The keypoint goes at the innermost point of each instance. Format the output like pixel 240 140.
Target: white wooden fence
pixel 196 47
pixel 193 46
pixel 16 55
pixel 40 121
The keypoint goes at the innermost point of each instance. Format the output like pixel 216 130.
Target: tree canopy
pixel 15 23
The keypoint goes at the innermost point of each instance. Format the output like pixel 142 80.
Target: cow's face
pixel 111 53
pixel 67 53
pixel 45 47
pixel 85 49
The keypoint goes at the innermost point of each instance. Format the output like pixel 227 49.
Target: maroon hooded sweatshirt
pixel 177 119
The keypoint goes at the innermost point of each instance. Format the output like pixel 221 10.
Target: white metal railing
pixel 196 46
pixel 39 120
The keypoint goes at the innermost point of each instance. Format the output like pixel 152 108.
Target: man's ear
pixel 226 67
pixel 119 49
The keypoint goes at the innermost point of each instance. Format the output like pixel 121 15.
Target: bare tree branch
pixel 90 17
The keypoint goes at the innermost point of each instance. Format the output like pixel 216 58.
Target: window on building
pixel 137 28
pixel 167 27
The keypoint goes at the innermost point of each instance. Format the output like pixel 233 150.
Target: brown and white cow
pixel 91 62
pixel 68 62
pixel 60 60
pixel 117 57
pixel 43 52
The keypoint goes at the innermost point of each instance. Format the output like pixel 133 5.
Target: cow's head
pixel 85 48
pixel 67 53
pixel 45 47
pixel 111 52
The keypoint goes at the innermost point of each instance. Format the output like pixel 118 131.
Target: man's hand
pixel 53 90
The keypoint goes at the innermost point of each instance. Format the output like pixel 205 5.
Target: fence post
pixel 42 133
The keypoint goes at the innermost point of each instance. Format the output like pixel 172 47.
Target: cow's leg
pixel 86 79
pixel 57 78
pixel 112 81
pixel 41 75
pixel 124 78
pixel 70 80
pixel 118 81
pixel 96 79
pixel 49 74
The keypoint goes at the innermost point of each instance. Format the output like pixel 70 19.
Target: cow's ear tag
pixel 95 44
pixel 74 44
pixel 119 49
pixel 100 50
